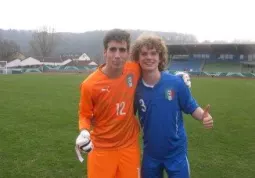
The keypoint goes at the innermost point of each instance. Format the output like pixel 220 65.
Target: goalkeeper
pixel 160 100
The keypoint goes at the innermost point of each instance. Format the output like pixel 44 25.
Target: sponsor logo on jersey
pixel 105 89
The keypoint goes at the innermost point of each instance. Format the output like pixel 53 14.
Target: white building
pixel 84 57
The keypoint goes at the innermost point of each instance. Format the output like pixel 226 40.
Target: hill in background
pixel 90 42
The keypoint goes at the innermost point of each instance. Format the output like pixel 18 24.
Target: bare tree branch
pixel 44 41
pixel 8 49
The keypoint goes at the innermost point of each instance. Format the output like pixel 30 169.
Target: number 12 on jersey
pixel 119 108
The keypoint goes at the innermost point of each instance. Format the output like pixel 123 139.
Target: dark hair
pixel 117 35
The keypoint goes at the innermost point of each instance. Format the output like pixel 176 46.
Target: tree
pixel 242 41
pixel 1 35
pixel 206 42
pixel 8 49
pixel 44 41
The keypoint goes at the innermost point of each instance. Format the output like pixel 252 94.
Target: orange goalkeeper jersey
pixel 106 107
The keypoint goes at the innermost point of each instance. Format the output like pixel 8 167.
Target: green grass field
pixel 38 127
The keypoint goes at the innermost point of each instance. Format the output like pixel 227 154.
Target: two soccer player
pixel 106 113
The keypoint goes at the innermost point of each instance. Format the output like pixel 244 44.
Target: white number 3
pixel 120 107
pixel 142 104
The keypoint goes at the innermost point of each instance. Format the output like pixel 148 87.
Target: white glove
pixel 83 144
pixel 186 78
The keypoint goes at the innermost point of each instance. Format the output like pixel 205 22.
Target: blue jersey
pixel 160 114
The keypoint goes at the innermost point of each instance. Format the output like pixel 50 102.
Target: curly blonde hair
pixel 151 41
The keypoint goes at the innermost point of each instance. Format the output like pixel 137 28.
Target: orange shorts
pixel 119 163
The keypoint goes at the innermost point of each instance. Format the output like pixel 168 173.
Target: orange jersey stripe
pixel 106 106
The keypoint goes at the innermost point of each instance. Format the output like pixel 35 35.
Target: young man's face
pixel 148 59
pixel 116 54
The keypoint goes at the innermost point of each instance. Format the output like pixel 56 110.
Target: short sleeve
pixel 187 102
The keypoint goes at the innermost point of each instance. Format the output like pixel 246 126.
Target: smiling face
pixel 149 59
pixel 151 52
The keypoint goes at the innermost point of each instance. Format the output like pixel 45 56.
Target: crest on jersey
pixel 169 94
pixel 129 80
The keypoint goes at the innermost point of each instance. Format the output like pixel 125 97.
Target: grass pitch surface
pixel 38 127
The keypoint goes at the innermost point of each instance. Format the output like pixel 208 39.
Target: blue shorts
pixel 177 167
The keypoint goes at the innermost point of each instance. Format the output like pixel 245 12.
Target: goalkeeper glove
pixel 83 144
pixel 186 78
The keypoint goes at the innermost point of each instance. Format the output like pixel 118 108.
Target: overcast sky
pixel 206 19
